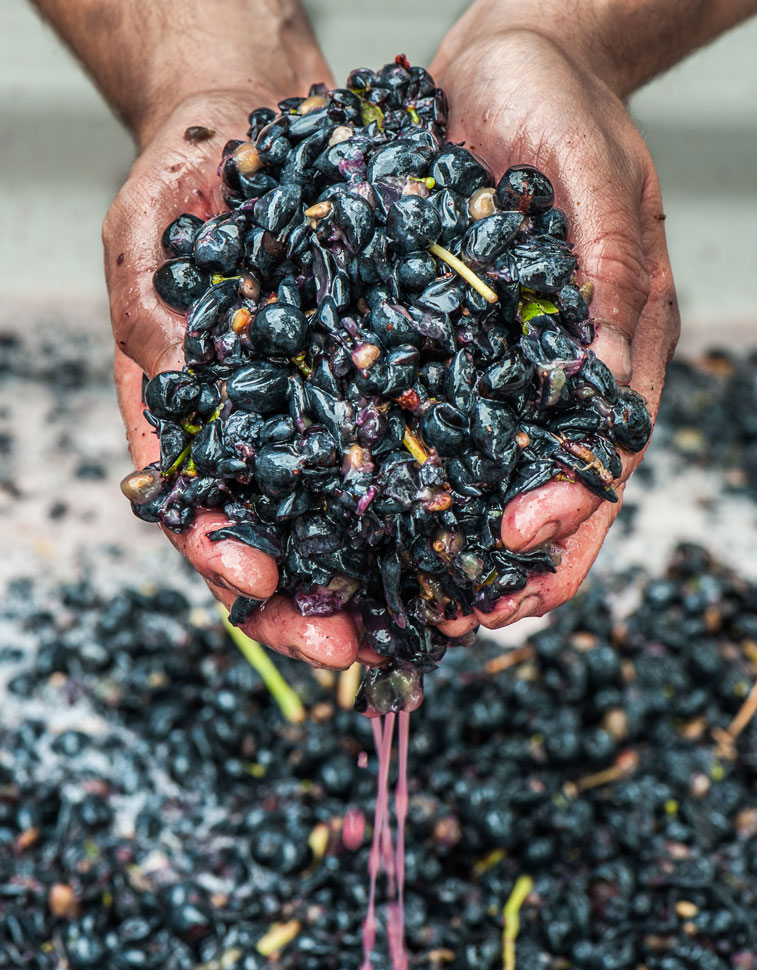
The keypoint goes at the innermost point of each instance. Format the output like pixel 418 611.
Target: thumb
pixel 600 189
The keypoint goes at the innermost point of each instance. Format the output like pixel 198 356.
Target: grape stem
pixel 254 653
pixel 415 446
pixel 465 271
pixel 511 916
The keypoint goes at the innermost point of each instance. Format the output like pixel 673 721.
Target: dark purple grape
pixel 354 217
pixel 272 145
pixel 343 105
pixel 259 118
pixel 393 327
pixel 401 370
pixel 172 394
pixel 493 428
pixel 279 328
pixel 251 534
pixel 318 448
pixel 218 246
pixel 277 469
pixel 544 267
pixel 457 169
pixel 208 311
pixel 412 223
pixel 632 424
pixel 416 270
pixel 453 214
pixel 301 127
pixel 460 381
pixel 489 237
pixel 553 222
pixel 256 185
pixel 179 283
pixel 445 429
pixel 179 236
pixel 260 386
pixel 526 189
pixel 595 377
pixel 173 440
pixel 275 209
pixel 397 159
pixel 209 448
pixel 506 378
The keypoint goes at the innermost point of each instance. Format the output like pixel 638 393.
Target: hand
pixel 171 176
pixel 516 96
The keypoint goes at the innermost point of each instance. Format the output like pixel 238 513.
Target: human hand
pixel 171 176
pixel 516 96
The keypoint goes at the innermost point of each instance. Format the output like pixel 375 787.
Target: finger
pixel 322 641
pixel 457 627
pixel 660 324
pixel 603 207
pixel 546 591
pixel 370 658
pixel 553 511
pixel 241 569
pixel 245 571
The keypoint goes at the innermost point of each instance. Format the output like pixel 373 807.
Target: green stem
pixel 255 654
pixel 465 271
pixel 511 913
pixel 183 454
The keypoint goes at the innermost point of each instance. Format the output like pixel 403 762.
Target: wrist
pixel 580 34
pixel 623 43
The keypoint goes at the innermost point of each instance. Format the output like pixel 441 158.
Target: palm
pixel 518 99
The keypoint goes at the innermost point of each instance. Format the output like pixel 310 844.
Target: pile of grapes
pixel 383 347
pixel 157 811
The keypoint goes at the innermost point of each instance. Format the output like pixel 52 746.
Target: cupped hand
pixel 518 97
pixel 176 174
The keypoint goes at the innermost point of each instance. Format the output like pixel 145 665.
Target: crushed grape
pixel 383 347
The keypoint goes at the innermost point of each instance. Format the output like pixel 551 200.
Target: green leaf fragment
pixel 535 308
pixel 370 113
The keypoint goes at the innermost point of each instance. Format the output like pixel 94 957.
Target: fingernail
pixel 548 531
pixel 527 607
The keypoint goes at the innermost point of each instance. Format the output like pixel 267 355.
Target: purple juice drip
pixel 381 847
pixel 384 748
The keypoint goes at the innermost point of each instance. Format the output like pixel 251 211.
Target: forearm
pixel 626 42
pixel 148 55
